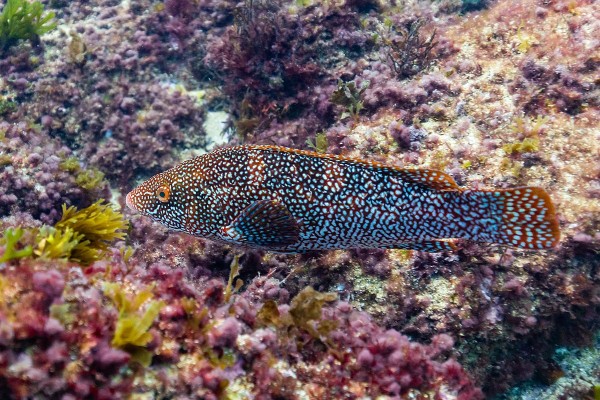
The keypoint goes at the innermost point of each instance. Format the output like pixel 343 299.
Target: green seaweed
pixel 63 313
pixel 268 315
pixel 307 307
pixel 55 243
pixel 350 96
pixel 528 127
pixel 70 164
pixel 320 143
pixel 77 49
pixel 5 159
pixel 82 235
pixel 230 289
pixel 131 331
pixel 304 313
pixel 22 20
pixel 99 226
pixel 224 359
pixel 194 314
pixel 11 239
pixel 89 179
pixel 126 253
pixel 528 145
pixel 7 106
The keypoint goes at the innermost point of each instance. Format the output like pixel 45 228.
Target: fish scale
pixel 288 200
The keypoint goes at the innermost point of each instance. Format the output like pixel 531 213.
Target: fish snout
pixel 129 201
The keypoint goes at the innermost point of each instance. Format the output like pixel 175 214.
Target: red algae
pixel 124 90
pixel 207 348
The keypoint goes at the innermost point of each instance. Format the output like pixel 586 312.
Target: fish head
pixel 161 198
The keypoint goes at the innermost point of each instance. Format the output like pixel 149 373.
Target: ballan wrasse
pixel 286 200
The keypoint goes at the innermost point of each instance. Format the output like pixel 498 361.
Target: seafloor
pixel 95 304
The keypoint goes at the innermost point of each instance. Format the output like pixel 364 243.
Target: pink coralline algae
pixel 505 96
pixel 99 97
pixel 36 176
pixel 56 340
pixel 51 283
pixel 272 72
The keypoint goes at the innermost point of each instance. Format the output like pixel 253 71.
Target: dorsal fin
pixel 431 178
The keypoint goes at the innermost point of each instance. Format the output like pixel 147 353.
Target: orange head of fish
pixel 160 198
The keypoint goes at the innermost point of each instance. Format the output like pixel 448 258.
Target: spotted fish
pixel 287 200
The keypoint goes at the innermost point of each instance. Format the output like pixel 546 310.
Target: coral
pixel 109 123
pixel 51 283
pixel 179 7
pixel 22 20
pixel 575 375
pixel 400 367
pixel 256 55
pixel 155 121
pixel 473 5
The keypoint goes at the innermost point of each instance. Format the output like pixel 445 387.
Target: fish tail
pixel 521 217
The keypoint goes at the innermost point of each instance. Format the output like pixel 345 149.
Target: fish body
pixel 288 200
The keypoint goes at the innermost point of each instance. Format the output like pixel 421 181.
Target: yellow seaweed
pixel 131 330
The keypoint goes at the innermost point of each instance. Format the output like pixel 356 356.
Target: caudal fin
pixel 528 218
pixel 521 217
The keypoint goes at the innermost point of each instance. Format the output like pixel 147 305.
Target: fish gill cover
pixel 495 94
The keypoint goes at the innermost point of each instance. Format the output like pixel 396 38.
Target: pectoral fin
pixel 264 223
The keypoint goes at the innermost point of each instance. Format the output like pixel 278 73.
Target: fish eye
pixel 163 193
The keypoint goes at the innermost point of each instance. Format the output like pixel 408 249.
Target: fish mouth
pixel 129 201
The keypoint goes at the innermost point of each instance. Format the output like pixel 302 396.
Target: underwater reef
pixel 97 302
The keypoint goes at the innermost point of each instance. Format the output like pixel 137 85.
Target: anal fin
pixel 430 246
pixel 264 223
